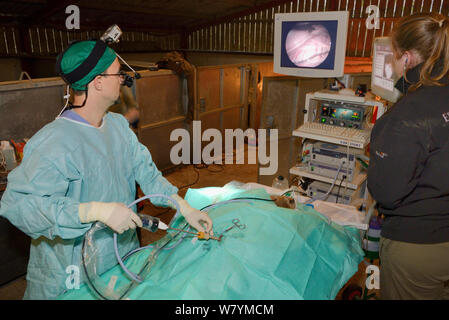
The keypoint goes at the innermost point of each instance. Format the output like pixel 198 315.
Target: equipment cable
pixel 338 193
pixel 331 187
pixel 137 278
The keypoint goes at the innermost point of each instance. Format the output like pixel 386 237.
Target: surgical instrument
pixel 132 275
pixel 235 223
pixel 201 235
pixel 152 223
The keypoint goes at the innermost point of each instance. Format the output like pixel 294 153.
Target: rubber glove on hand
pixel 116 216
pixel 193 216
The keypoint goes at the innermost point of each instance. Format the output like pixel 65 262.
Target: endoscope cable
pixel 163 247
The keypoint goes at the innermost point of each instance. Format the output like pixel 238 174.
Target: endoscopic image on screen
pixel 309 44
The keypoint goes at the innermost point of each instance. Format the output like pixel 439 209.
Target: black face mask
pixel 412 76
pixel 402 85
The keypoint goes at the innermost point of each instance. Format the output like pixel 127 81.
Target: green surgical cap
pixel 76 55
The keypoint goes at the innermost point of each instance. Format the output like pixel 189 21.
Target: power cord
pixel 338 193
pixel 243 198
pixel 196 168
pixel 201 166
pixel 324 198
pixel 196 181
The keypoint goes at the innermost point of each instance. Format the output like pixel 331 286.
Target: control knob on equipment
pixel 342 124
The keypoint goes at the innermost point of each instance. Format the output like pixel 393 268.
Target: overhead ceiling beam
pixel 135 10
pixel 96 26
pixel 42 17
pixel 48 10
pixel 239 14
pixel 37 2
pixel 243 3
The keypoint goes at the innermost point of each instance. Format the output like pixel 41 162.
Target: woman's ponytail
pixel 428 35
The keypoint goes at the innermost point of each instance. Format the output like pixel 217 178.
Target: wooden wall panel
pixel 159 96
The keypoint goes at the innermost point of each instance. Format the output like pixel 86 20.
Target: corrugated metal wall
pixel 253 33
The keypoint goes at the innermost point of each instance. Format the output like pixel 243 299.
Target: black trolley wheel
pixel 352 292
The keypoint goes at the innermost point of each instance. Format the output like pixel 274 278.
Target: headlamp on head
pixel 91 58
pixel 82 61
pixel 112 35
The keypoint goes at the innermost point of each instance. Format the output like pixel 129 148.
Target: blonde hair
pixel 428 35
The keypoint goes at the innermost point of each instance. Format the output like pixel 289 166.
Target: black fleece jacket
pixel 409 165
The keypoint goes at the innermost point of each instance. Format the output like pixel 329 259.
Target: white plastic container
pixel 280 183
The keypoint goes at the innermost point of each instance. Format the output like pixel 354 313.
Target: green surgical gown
pixel 67 163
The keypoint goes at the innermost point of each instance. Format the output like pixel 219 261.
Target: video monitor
pixel 310 44
pixel 383 77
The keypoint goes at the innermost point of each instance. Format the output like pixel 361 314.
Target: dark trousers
pixel 412 271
